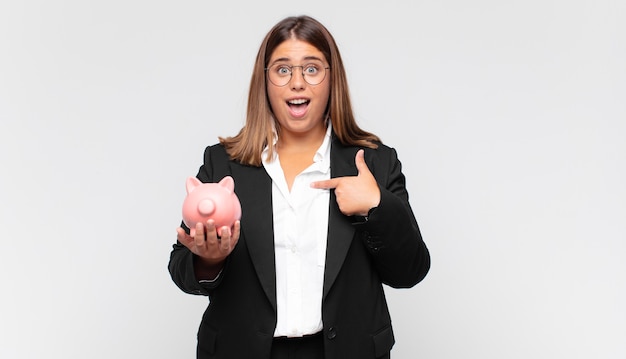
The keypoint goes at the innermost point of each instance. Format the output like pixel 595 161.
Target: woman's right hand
pixel 210 248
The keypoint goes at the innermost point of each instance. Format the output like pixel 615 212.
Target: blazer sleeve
pixel 181 264
pixel 390 232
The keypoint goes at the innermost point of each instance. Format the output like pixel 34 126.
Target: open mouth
pixel 298 106
pixel 298 102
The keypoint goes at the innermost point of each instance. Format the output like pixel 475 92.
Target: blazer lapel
pixel 340 229
pixel 254 189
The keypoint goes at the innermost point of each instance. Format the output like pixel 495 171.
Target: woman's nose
pixel 297 79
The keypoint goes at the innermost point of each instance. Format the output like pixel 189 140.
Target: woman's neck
pixel 301 142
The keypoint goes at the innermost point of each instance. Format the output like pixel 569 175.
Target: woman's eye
pixel 283 70
pixel 311 70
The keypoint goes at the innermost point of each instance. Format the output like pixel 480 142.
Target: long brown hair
pixel 247 146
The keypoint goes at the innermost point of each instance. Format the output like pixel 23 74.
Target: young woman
pixel 325 217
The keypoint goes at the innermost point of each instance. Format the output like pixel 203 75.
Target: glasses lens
pixel 279 75
pixel 313 73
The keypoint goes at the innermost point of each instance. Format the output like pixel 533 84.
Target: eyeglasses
pixel 280 74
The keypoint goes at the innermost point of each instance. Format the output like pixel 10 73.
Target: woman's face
pixel 298 106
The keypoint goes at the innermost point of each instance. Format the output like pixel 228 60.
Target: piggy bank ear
pixel 228 182
pixel 192 182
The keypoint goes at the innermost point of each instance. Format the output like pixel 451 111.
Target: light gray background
pixel 509 118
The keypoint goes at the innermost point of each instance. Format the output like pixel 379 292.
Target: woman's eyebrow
pixel 309 58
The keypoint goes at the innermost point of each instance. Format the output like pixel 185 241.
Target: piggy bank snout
pixel 206 207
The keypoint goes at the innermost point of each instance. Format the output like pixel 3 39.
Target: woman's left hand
pixel 356 195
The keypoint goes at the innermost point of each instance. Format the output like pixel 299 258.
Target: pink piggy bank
pixel 216 201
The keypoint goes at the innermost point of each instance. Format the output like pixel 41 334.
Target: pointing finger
pixel 326 184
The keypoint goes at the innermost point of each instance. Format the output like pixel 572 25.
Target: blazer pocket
pixel 383 341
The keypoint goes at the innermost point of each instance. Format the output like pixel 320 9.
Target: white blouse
pixel 300 233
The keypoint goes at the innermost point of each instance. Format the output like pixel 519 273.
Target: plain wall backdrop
pixel 509 118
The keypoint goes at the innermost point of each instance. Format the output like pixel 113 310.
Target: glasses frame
pixel 291 74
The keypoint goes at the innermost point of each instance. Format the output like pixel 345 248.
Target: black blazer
pixel 362 254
